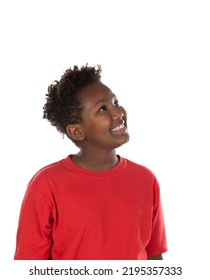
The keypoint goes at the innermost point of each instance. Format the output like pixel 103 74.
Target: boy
pixel 93 204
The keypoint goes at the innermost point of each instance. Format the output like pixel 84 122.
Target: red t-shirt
pixel 69 213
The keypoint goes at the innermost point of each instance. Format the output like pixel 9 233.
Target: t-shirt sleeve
pixel 157 244
pixel 34 238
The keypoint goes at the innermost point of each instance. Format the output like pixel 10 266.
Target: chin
pixel 126 140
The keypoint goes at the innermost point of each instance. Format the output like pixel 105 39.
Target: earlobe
pixel 75 132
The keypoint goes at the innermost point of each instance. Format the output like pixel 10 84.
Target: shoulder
pixel 47 171
pixel 140 173
pixel 138 168
pixel 44 179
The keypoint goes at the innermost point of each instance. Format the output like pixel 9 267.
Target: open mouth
pixel 120 127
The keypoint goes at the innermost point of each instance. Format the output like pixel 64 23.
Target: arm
pixel 34 238
pixel 157 257
pixel 157 244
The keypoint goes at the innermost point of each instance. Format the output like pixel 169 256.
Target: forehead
pixel 94 93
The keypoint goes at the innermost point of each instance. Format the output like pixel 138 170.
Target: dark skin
pixel 103 129
pixel 98 135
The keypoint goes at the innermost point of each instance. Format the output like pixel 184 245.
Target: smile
pixel 118 127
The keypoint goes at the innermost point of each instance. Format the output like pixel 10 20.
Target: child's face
pixel 104 120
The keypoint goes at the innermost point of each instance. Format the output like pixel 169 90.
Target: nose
pixel 117 113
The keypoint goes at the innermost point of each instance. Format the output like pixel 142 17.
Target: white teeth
pixel 118 127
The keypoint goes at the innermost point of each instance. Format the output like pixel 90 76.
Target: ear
pixel 75 132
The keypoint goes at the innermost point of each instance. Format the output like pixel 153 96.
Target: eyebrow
pixel 104 100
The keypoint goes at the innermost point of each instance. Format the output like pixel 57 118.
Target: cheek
pixel 104 122
pixel 102 126
pixel 99 125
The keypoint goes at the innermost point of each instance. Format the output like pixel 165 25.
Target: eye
pixel 102 108
pixel 116 103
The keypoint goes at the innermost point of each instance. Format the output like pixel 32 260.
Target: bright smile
pixel 121 127
pixel 118 127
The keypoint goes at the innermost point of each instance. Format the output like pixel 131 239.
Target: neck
pixel 96 161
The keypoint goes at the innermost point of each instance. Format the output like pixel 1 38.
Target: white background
pixel 155 56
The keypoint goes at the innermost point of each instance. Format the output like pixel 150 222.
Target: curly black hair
pixel 62 105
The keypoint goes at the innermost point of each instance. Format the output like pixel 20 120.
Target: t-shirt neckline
pixel 120 165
